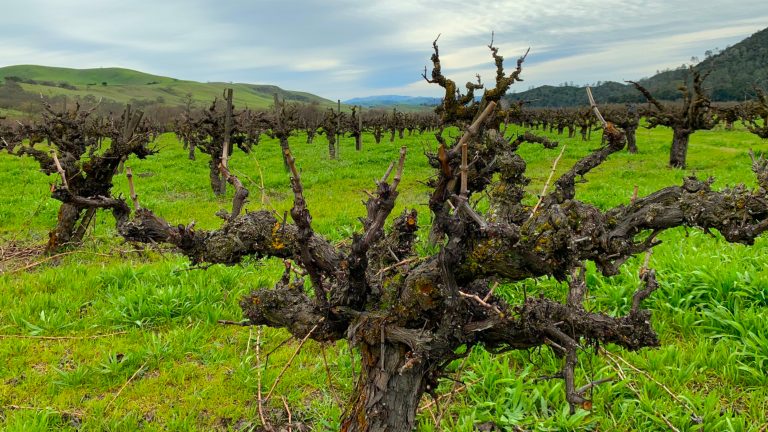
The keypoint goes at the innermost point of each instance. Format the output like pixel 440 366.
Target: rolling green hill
pixel 23 84
pixel 83 76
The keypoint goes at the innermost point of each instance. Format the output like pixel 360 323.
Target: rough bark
pixel 331 147
pixel 218 182
pixel 631 133
pixel 388 390
pixel 67 222
pixel 678 154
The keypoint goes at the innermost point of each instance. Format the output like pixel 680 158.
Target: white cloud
pixel 416 88
pixel 630 60
pixel 318 64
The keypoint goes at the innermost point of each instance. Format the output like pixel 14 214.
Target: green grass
pixel 163 362
pixel 122 85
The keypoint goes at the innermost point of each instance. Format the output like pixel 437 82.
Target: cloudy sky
pixel 348 48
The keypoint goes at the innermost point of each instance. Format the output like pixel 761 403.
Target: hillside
pixel 735 72
pixel 23 84
pixel 552 96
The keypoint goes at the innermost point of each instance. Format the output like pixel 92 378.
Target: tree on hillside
pixel 77 153
pixel 693 114
pixel 410 316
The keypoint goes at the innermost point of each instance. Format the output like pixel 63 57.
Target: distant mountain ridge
pixel 393 100
pixel 22 85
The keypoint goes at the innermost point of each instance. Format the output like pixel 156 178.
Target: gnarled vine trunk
pixel 388 391
pixel 679 151
pixel 218 182
pixel 630 131
pixel 331 146
pixel 66 226
pixel 283 148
